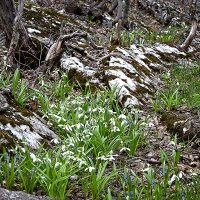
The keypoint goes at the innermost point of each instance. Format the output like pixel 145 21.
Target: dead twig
pixel 148 160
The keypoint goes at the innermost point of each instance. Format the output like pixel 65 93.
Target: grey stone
pixel 19 124
pixel 15 195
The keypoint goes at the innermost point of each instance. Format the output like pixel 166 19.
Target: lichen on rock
pixel 134 74
pixel 18 124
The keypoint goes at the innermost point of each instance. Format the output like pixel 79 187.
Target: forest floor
pixel 154 155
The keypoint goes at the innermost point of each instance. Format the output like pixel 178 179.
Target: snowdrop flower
pixel 70 144
pixel 79 125
pixel 67 127
pixel 111 158
pixel 180 175
pixel 63 147
pixel 124 149
pixel 115 129
pixel 58 164
pixel 101 110
pixel 81 162
pixel 111 112
pixel 23 150
pixel 172 143
pixel 55 141
pixel 80 115
pixel 112 121
pixel 194 174
pixel 173 178
pixel 122 116
pixel 58 117
pixel 90 169
pixel 34 158
pixel 52 106
pixel 47 159
pixel 80 109
pixel 68 153
pixel 148 169
pixel 101 158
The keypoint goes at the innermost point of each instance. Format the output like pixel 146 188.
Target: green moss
pixel 9 142
pixel 16 120
pixel 153 58
pixel 140 68
pixel 48 21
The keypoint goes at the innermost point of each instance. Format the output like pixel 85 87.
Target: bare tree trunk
pixel 71 6
pixel 15 34
pixel 125 22
pixel 20 45
pixel 102 3
pixel 119 11
pixel 114 6
pixel 7 15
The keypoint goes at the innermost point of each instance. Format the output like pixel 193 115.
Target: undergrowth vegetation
pixel 142 36
pixel 181 86
pixel 95 131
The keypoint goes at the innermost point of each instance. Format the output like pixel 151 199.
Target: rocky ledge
pixel 18 124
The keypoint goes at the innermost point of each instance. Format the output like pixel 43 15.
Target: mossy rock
pixel 18 124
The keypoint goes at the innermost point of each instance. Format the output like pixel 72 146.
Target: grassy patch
pixel 181 86
pixel 141 36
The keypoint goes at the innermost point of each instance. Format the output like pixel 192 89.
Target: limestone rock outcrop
pixel 18 124
pixel 15 195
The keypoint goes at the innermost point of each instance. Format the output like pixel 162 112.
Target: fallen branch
pixel 190 37
pixel 111 54
pixel 148 160
pixel 56 48
pixel 82 51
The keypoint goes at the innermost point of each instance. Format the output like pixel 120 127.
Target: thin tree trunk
pixel 114 6
pixel 102 4
pixel 119 11
pixel 20 45
pixel 125 22
pixel 15 35
pixel 7 16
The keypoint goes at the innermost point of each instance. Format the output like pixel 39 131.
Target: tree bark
pixel 114 6
pixel 7 16
pixel 23 49
pixel 125 22
pixel 119 11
